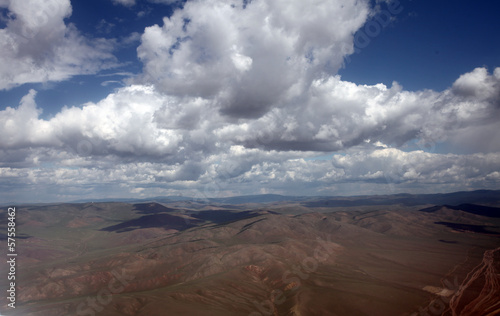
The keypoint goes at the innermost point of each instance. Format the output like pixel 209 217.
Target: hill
pixel 314 256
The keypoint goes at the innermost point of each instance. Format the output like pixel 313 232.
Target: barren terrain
pixel 395 255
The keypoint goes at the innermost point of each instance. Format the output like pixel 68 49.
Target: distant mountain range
pixel 455 198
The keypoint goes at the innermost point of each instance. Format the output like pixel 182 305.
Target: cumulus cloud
pixel 241 98
pixel 32 131
pixel 479 84
pixel 334 115
pixel 121 124
pixel 248 171
pixel 387 170
pixel 272 65
pixel 37 45
pixel 145 138
pixel 249 56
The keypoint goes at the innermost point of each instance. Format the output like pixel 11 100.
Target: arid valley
pixel 372 255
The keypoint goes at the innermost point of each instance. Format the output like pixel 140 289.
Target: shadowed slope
pixel 165 221
pixel 482 210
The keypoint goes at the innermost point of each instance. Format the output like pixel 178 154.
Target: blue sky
pixel 429 45
pixel 114 98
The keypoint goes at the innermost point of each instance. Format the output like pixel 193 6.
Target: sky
pixel 216 98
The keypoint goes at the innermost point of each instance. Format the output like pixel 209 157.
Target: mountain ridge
pixel 431 198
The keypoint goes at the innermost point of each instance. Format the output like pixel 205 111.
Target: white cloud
pixel 335 115
pixel 127 3
pixel 121 124
pixel 479 84
pixel 139 121
pixel 262 63
pixel 133 38
pixel 250 59
pixel 248 171
pixel 21 128
pixel 37 45
pixel 236 100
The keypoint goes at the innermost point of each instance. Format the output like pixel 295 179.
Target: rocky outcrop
pixel 480 292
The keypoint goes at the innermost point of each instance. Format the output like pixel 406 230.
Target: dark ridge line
pixel 475 209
